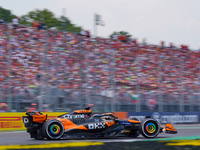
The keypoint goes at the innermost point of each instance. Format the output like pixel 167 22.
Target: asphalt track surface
pixel 22 137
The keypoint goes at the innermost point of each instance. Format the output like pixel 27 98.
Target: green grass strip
pixel 2 131
pixel 50 145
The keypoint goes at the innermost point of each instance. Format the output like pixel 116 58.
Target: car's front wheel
pixel 149 128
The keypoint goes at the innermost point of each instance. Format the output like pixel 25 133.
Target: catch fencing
pixel 61 100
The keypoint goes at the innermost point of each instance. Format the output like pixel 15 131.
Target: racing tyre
pixel 149 128
pixel 52 129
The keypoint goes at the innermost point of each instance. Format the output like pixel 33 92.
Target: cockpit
pixel 106 116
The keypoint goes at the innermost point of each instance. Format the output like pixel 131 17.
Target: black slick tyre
pixel 52 129
pixel 149 128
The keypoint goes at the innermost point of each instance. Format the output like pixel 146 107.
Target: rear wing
pixel 37 117
pixel 31 113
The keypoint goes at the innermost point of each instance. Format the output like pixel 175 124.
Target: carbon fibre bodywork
pixel 81 123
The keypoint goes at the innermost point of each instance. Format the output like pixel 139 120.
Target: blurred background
pixel 50 64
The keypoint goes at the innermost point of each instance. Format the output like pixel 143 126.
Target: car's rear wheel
pixel 53 129
pixel 149 128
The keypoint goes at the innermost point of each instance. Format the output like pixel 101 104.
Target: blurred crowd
pixel 32 58
pixel 3 107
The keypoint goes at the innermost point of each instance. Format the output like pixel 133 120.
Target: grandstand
pixel 62 71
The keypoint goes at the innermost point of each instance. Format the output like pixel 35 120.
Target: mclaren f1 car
pixel 81 123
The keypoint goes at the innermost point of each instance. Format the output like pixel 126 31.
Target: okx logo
pixel 99 125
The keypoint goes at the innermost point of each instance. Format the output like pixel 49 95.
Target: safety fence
pixel 58 100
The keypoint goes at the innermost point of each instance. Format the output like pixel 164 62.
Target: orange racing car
pixel 81 123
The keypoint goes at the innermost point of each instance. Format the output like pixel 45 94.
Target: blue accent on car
pixel 96 115
pixel 124 123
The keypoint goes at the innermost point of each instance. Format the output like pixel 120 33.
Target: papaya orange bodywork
pixel 67 123
pixel 80 127
pixel 134 121
pixel 39 118
pixel 170 127
pixel 82 111
pixel 110 123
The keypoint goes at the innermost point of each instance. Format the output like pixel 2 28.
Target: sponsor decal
pixel 74 116
pixel 124 123
pixel 99 125
pixel 127 131
pixel 39 117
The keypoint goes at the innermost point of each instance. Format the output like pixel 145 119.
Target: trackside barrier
pixel 13 121
pixel 169 117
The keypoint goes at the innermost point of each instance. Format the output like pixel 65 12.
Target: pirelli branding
pixel 14 121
